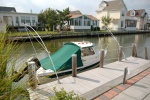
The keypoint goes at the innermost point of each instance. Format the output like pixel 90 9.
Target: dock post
pixel 125 74
pixel 146 54
pixel 102 58
pixel 134 51
pixel 74 65
pixel 120 53
pixel 32 75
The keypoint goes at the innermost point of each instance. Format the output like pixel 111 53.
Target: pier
pixel 92 83
pixel 23 38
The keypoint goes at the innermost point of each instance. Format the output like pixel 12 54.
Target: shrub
pixel 96 28
pixel 63 95
pixel 7 48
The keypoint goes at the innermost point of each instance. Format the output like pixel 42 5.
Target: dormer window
pixel 132 13
pixel 122 13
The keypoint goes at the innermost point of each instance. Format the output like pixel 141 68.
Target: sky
pixel 85 6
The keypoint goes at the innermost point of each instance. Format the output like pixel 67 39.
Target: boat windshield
pixel 87 51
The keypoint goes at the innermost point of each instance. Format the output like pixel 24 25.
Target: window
pixel 84 23
pixel 132 13
pixel 96 23
pixel 80 21
pixel 121 23
pixel 72 21
pixel 122 13
pixel 85 17
pixel 33 20
pixel 89 23
pixel 76 23
pixel 131 23
pixel 17 19
pixel 27 19
pixel 22 19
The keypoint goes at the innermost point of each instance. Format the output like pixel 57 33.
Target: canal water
pixel 142 41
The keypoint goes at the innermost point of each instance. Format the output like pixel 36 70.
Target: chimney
pixel 31 11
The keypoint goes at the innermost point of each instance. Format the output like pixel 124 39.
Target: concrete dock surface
pixel 94 82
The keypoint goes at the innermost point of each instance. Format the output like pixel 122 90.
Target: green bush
pixel 7 48
pixel 63 95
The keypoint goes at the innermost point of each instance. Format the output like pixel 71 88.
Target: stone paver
pixel 136 88
pixel 123 96
pixel 147 97
pixel 138 91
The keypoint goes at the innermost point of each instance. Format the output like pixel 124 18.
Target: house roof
pixel 7 9
pixel 91 17
pixel 113 5
pixel 76 14
pixel 138 13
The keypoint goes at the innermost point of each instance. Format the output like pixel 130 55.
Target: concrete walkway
pixel 94 82
pixel 136 88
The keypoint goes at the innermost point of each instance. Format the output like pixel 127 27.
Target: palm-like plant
pixel 7 48
pixel 106 20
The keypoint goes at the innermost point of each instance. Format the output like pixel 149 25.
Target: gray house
pixel 16 20
pixel 82 22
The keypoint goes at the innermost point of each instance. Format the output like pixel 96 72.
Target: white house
pixel 16 20
pixel 82 22
pixel 116 10
pixel 142 18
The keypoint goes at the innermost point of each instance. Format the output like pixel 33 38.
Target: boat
pixel 61 60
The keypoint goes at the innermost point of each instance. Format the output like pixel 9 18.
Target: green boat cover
pixel 62 59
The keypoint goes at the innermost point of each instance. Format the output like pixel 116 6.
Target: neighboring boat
pixel 62 59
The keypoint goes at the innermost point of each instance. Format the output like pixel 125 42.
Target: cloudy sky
pixel 85 6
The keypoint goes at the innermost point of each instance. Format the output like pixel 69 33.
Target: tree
pixel 106 20
pixel 41 19
pixel 48 18
pixel 63 16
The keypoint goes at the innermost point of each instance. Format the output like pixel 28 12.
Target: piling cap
pixel 30 63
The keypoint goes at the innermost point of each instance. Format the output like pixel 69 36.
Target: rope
pixel 110 58
pixel 31 41
pixel 113 50
pixel 115 40
pixel 127 47
pixel 45 50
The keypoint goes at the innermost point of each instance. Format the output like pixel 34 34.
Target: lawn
pixel 47 32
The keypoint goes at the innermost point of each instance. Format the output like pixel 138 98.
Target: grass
pixel 49 32
pixel 25 33
pixel 7 92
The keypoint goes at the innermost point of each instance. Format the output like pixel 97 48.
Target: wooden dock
pixel 94 82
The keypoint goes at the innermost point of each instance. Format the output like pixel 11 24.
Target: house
pixel 142 18
pixel 82 22
pixel 148 24
pixel 116 10
pixel 16 20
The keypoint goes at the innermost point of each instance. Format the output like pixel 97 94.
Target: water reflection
pixel 141 40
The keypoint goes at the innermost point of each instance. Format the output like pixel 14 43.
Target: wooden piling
pixel 125 75
pixel 134 51
pixel 146 54
pixel 32 75
pixel 120 53
pixel 101 58
pixel 74 65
